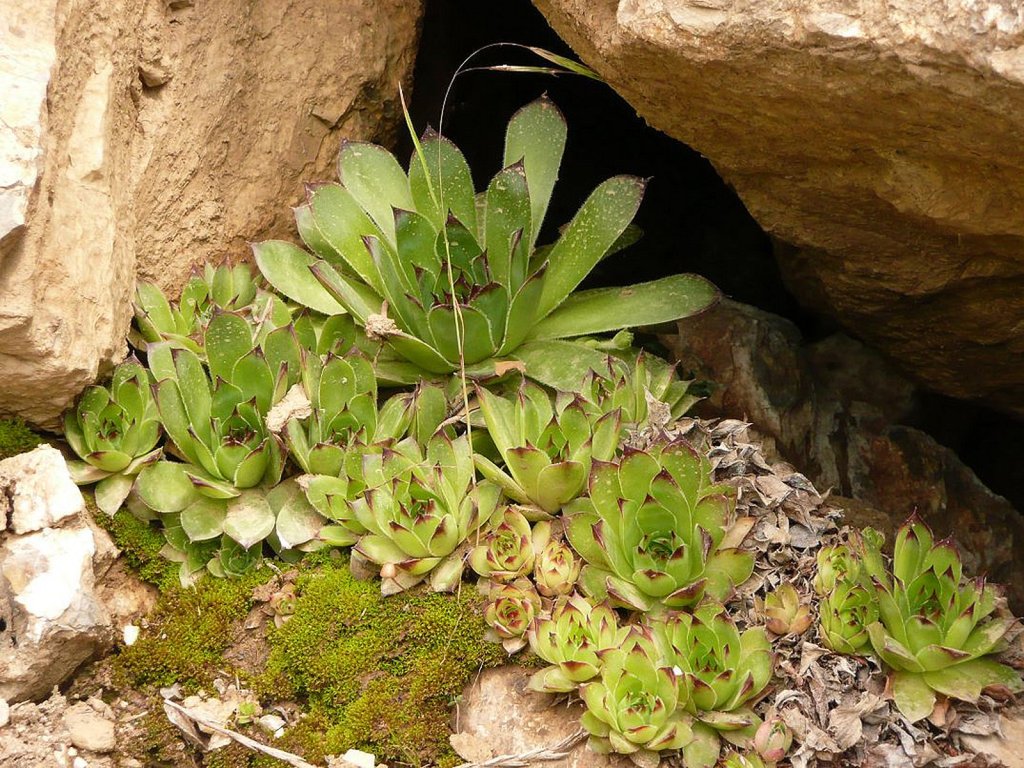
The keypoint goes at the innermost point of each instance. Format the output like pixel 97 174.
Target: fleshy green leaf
pixel 286 267
pixel 610 309
pixel 597 225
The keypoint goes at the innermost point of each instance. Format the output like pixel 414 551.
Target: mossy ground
pixel 372 673
pixel 16 437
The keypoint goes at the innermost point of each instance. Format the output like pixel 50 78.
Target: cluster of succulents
pixel 935 631
pixel 615 565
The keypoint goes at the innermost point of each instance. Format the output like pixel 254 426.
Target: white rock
pixel 46 569
pixel 273 724
pixel 55 620
pixel 36 491
pixel 88 729
pixel 79 762
pixel 5 713
pixel 359 758
pixel 130 634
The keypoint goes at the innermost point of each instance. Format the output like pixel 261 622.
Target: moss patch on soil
pixel 368 672
pixel 16 437
pixel 377 674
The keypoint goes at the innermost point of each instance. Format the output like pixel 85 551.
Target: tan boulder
pixel 144 137
pixel 881 141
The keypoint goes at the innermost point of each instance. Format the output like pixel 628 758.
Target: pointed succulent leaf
pixel 286 267
pixel 607 309
pixel 586 239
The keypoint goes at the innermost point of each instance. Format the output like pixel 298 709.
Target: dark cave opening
pixel 692 220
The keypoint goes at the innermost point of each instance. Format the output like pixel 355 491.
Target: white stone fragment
pixel 36 491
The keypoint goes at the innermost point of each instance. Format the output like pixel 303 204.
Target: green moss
pixel 188 633
pixel 378 674
pixel 373 673
pixel 16 437
pixel 140 544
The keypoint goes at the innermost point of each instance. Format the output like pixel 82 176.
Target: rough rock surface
pixel 499 715
pixel 880 139
pixel 36 491
pixel 833 408
pixel 41 735
pixel 61 593
pixel 144 136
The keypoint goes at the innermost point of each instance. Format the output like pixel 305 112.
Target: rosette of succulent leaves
pixel 447 277
pixel 935 632
pixel 115 430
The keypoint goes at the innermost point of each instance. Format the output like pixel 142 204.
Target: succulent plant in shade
pixel 935 631
pixel 443 275
pixel 573 639
pixel 505 552
pixel 783 612
pixel 844 615
pixel 510 611
pixel 115 430
pixel 547 445
pixel 420 508
pixel 636 706
pixel 725 671
pixel 217 419
pixel 656 533
pixel 224 535
pixel 636 385
pixel 556 567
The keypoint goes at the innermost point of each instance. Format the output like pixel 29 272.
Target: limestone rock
pixel 881 141
pixel 88 729
pixel 51 616
pixel 833 409
pixel 499 714
pixel 143 137
pixel 1007 748
pixel 36 491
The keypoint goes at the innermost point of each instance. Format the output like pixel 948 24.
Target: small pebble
pixel 5 713
pixel 80 762
pixel 130 634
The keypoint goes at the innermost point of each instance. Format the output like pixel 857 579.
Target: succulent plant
pixel 741 760
pixel 223 288
pixel 547 445
pixel 416 415
pixel 845 614
pixel 342 398
pixel 419 509
pixel 635 707
pixel 555 567
pixel 655 532
pixel 115 431
pixel 724 670
pixel 773 740
pixel 510 611
pixel 783 612
pixel 636 385
pixel 224 535
pixel 505 552
pixel 573 639
pixel 935 631
pixel 217 420
pixel 445 276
